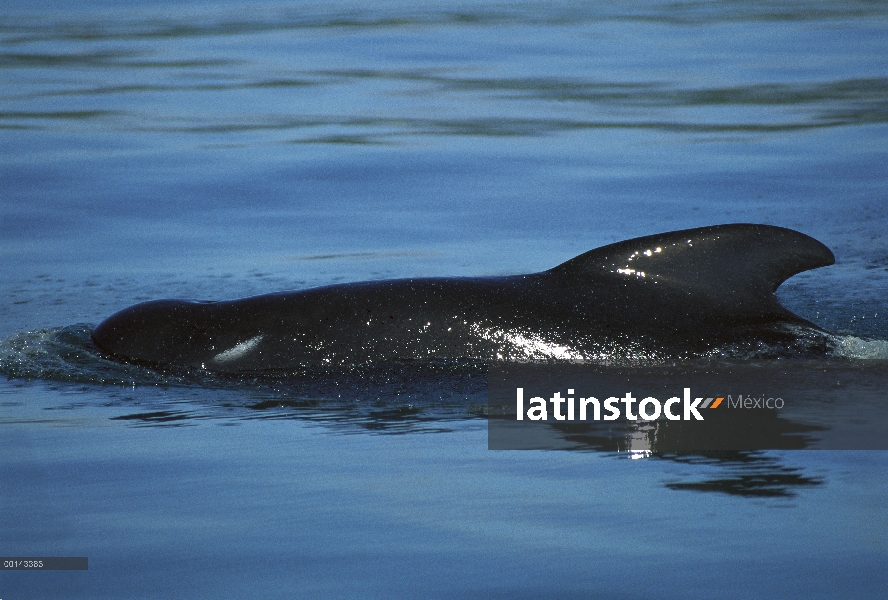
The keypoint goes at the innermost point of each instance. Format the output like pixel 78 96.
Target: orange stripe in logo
pixel 716 403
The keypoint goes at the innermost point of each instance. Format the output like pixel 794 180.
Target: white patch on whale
pixel 238 350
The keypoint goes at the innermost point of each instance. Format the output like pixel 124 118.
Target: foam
pixel 849 346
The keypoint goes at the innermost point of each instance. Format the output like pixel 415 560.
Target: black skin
pixel 671 296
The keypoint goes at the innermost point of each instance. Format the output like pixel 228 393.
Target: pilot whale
pixel 678 295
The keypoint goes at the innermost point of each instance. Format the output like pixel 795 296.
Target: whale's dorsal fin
pixel 739 265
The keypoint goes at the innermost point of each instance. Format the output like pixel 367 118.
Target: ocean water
pixel 214 150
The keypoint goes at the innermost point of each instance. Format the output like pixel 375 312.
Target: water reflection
pixel 748 474
pixel 165 417
pixel 751 474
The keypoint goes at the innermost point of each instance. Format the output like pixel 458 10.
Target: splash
pixel 67 354
pixel 849 346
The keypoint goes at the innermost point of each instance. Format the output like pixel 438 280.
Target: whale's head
pixel 169 332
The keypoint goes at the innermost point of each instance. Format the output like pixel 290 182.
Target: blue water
pixel 215 150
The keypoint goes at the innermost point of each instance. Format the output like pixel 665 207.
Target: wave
pixel 67 354
pixel 852 347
